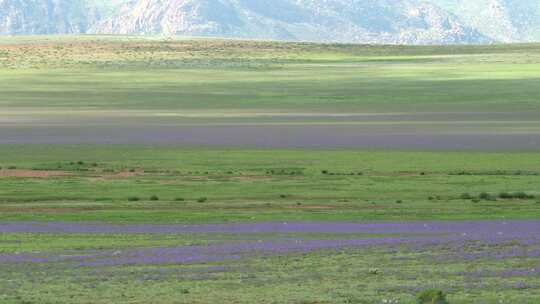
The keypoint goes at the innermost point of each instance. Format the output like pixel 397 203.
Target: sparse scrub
pixel 466 196
pixel 505 195
pixel 154 198
pixel 133 199
pixel 516 195
pixel 432 296
pixel 523 196
pixel 373 271
pixel 486 196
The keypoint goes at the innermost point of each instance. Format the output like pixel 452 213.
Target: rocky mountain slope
pixel 46 16
pixel 360 21
pixel 365 21
pixel 502 20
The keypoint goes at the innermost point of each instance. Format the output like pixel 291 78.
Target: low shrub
pixel 202 200
pixel 373 271
pixel 179 199
pixel 522 195
pixel 154 198
pixel 516 195
pixel 432 296
pixel 133 199
pixel 486 196
pixel 505 195
pixel 466 196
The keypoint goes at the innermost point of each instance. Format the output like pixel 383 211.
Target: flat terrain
pixel 131 224
pixel 146 170
pixel 204 92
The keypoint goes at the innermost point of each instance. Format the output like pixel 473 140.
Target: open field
pixel 267 94
pixel 146 170
pixel 94 183
pixel 131 224
pixel 478 262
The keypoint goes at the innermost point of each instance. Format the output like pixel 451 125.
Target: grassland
pixel 118 133
pixel 237 76
pixel 260 185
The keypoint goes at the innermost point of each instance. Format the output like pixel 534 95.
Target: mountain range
pixel 355 21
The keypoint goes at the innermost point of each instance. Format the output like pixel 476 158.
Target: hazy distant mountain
pixel 362 21
pixel 45 16
pixel 503 20
pixel 365 21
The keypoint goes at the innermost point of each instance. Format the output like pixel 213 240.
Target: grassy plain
pixel 239 76
pixel 261 185
pixel 68 87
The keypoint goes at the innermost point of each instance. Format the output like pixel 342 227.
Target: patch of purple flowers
pixel 459 238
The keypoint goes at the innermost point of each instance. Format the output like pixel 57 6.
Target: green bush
pixel 486 196
pixel 154 198
pixel 523 195
pixel 505 195
pixel 466 196
pixel 202 200
pixel 432 296
pixel 516 195
pixel 133 199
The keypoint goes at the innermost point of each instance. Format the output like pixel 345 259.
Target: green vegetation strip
pixel 188 185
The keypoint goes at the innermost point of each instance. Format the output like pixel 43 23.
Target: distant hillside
pixel 502 20
pixel 46 16
pixel 356 21
pixel 364 21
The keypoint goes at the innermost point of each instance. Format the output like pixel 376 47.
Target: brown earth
pixel 32 173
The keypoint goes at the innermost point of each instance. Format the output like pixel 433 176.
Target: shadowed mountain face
pixel 359 21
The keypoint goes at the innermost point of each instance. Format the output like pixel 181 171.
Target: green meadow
pixel 214 75
pixel 57 87
pixel 116 183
